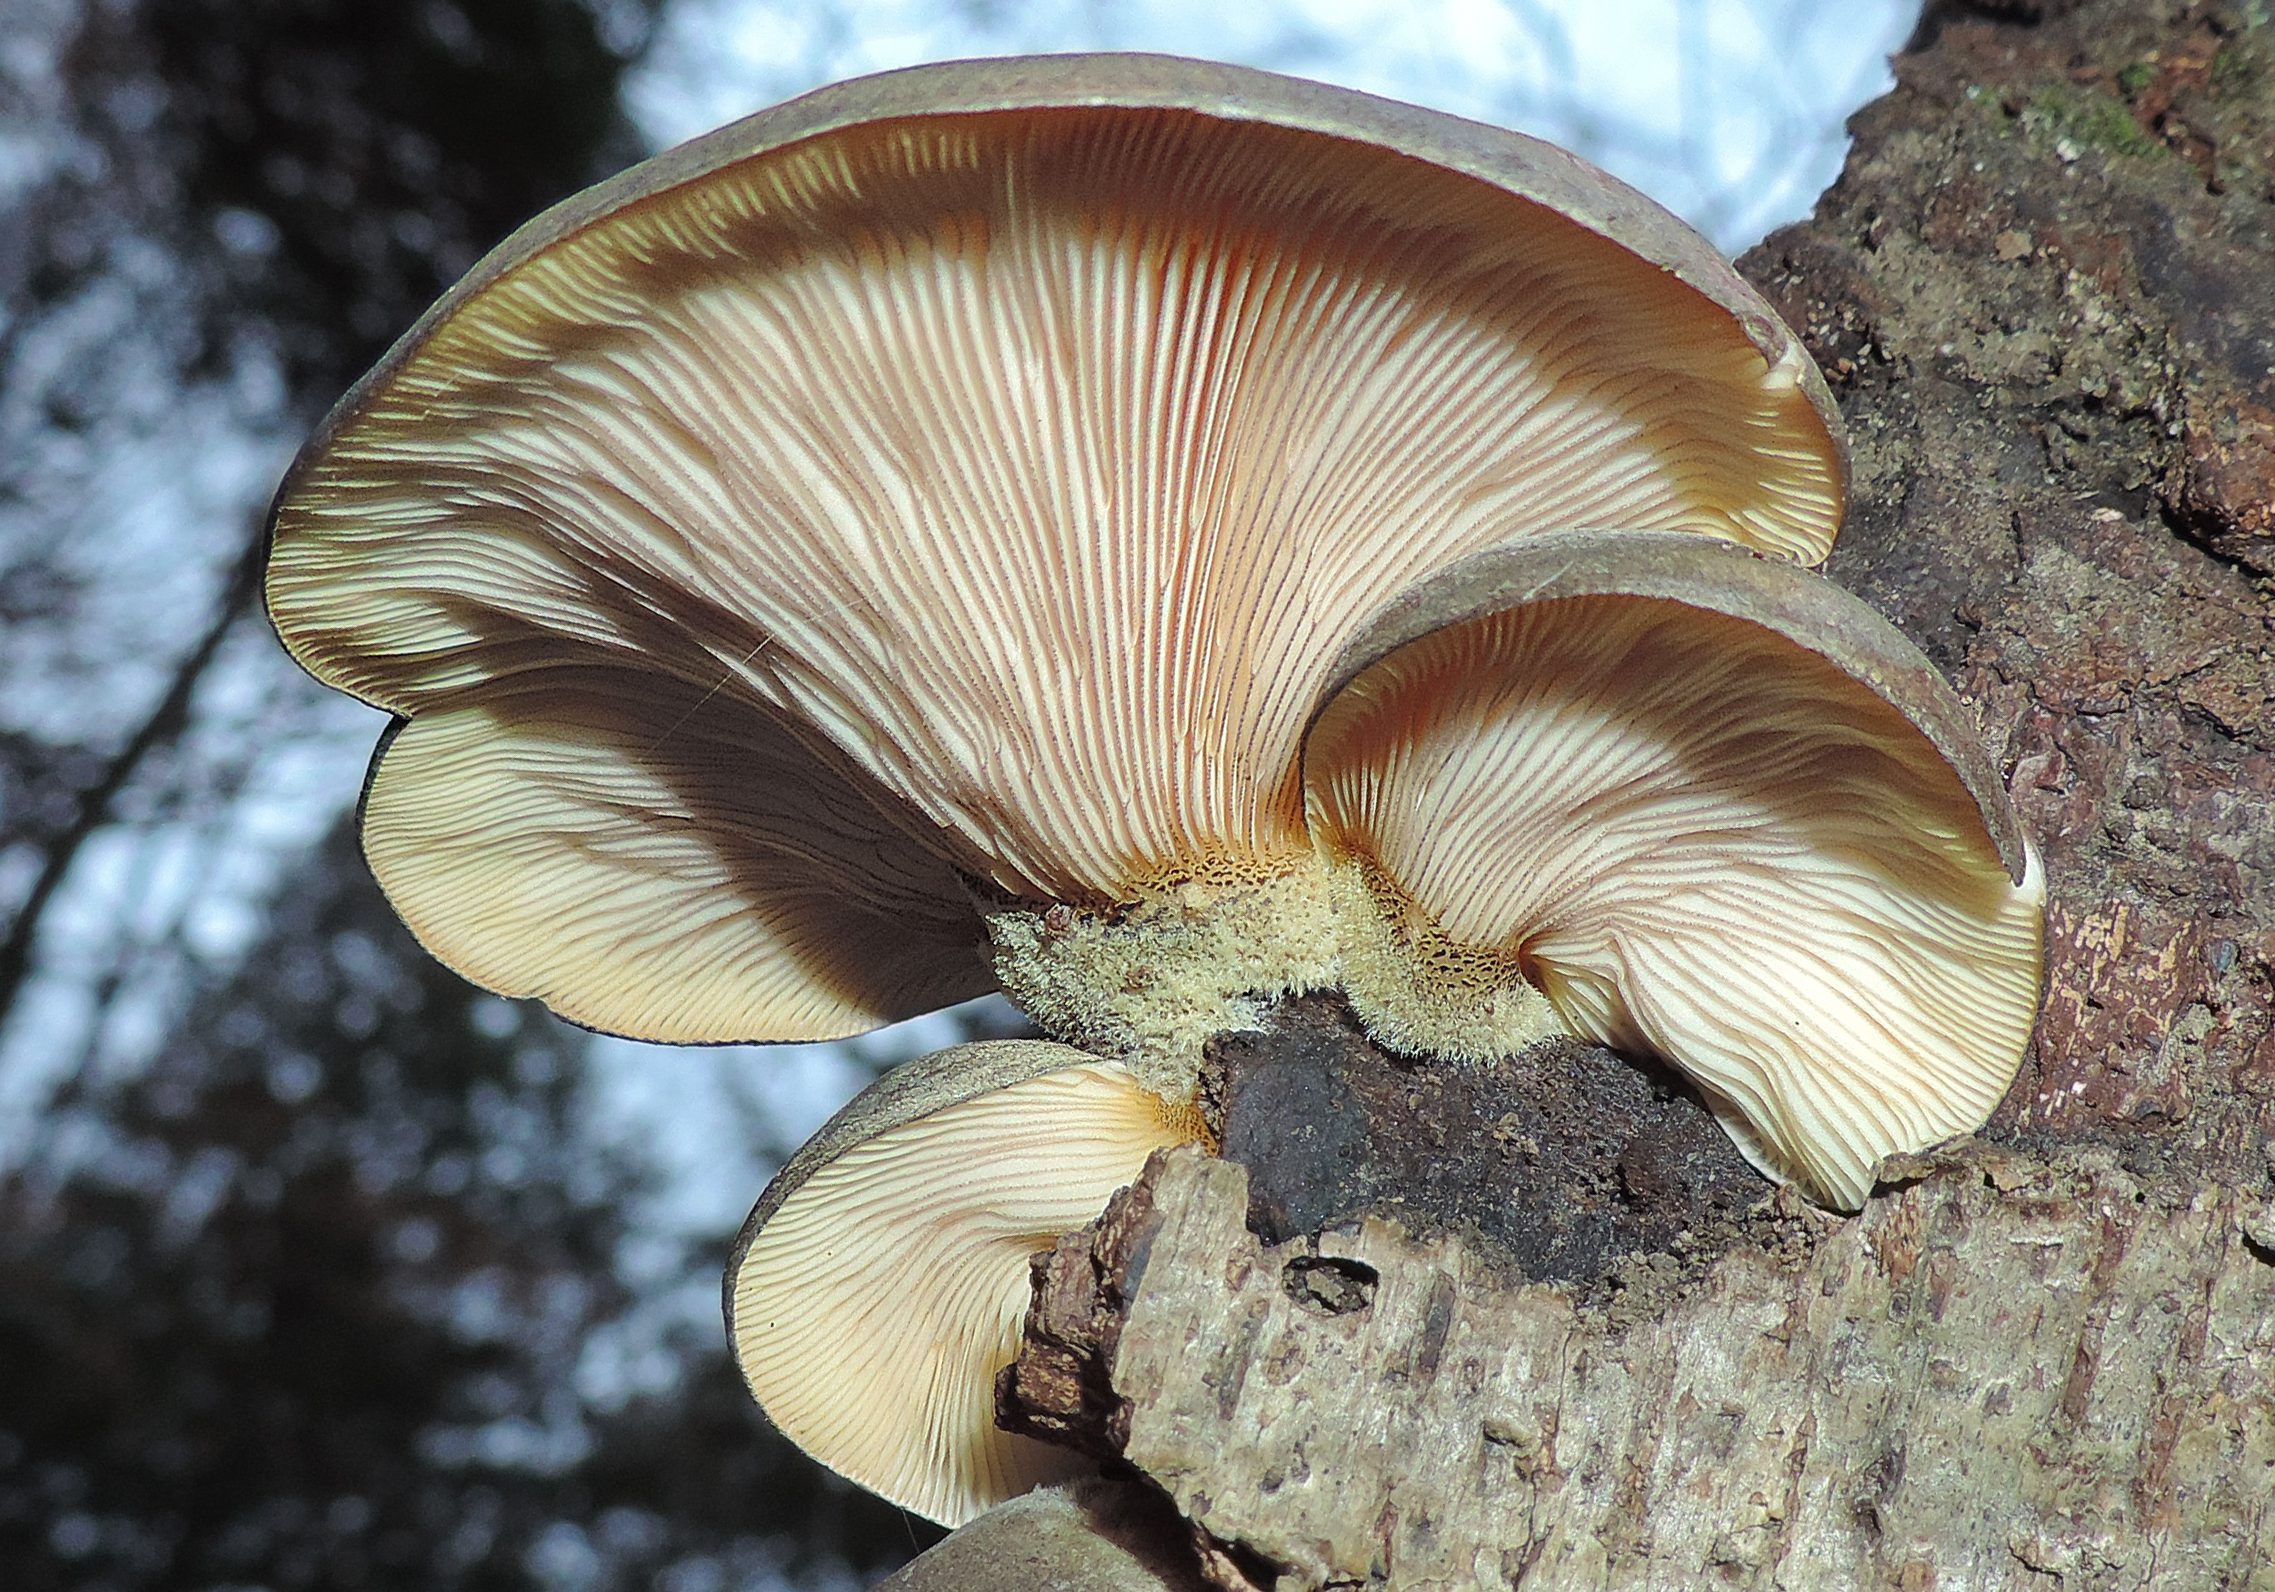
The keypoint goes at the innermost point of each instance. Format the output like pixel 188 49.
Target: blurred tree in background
pixel 309 1299
pixel 318 1323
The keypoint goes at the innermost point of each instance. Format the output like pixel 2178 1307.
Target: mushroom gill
pixel 652 858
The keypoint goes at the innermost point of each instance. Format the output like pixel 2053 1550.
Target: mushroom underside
pixel 883 1279
pixel 1035 459
pixel 659 860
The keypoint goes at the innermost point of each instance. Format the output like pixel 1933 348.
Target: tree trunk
pixel 2044 290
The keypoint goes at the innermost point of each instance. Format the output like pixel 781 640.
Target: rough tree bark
pixel 2044 290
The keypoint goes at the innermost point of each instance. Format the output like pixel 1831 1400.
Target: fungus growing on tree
pixel 899 546
pixel 1650 791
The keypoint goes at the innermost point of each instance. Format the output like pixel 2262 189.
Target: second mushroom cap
pixel 882 1279
pixel 1695 804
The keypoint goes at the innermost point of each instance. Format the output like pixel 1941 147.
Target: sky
pixel 1729 112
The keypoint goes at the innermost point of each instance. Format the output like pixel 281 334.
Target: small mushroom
pixel 1656 793
pixel 881 1282
pixel 972 473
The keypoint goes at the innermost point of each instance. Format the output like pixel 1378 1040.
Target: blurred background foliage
pixel 317 1267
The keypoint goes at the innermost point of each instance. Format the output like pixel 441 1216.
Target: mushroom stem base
pixel 1149 983
pixel 1152 982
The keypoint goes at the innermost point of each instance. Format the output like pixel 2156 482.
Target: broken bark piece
pixel 1089 1536
pixel 1060 1386
pixel 2224 494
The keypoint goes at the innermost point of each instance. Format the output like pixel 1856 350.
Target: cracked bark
pixel 2044 290
pixel 2013 1370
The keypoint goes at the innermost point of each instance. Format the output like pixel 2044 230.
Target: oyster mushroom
pixel 882 1280
pixel 971 474
pixel 900 544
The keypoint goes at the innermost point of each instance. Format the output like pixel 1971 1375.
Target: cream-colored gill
pixel 655 860
pixel 882 1280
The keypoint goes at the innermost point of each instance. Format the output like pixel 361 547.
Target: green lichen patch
pixel 2086 119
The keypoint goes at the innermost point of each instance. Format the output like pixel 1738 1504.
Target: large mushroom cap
pixel 1025 438
pixel 882 1280
pixel 1711 807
